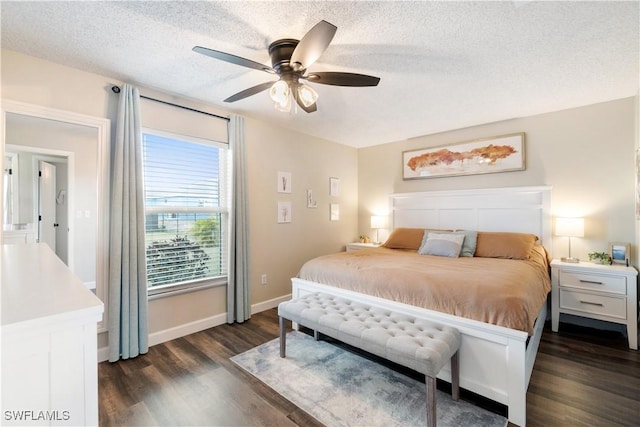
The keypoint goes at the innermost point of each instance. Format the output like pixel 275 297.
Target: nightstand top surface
pixel 584 265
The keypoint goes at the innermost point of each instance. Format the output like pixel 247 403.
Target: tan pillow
pixel 504 245
pixel 406 238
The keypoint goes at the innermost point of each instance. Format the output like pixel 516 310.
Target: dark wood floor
pixel 582 377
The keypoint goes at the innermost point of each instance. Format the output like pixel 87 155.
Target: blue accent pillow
pixel 442 244
pixel 470 242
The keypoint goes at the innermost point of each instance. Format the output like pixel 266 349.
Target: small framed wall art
pixel 334 187
pixel 311 203
pixel 334 212
pixel 619 252
pixel 284 182
pixel 284 212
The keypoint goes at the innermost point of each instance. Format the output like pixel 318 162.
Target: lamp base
pixel 570 259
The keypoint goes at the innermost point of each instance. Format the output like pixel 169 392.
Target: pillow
pixel 505 245
pixel 470 242
pixel 442 244
pixel 406 238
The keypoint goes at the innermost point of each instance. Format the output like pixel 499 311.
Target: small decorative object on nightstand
pixel 355 246
pixel 570 227
pixel 599 258
pixel 619 252
pixel 595 291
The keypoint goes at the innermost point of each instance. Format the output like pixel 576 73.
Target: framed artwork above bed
pixel 503 153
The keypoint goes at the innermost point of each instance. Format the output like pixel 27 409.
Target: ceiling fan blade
pixel 233 59
pixel 248 92
pixel 310 109
pixel 343 79
pixel 312 45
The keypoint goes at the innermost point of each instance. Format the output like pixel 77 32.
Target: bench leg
pixel 455 376
pixel 283 337
pixel 316 335
pixel 431 401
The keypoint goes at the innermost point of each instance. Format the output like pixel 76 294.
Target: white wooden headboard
pixel 517 209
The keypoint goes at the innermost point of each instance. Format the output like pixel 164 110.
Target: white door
pixel 47 204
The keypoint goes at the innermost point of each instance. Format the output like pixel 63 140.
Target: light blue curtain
pixel 128 334
pixel 238 288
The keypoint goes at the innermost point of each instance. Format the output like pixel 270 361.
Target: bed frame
pixel 495 362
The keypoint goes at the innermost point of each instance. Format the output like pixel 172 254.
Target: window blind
pixel 186 209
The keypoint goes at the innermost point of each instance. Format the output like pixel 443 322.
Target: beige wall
pixel 586 154
pixel 277 250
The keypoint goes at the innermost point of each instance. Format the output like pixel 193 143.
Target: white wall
pixel 586 154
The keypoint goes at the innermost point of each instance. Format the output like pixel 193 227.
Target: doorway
pixel 52 207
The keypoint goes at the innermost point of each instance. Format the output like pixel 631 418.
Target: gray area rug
pixel 340 388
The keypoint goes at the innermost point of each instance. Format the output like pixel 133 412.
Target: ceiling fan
pixel 290 60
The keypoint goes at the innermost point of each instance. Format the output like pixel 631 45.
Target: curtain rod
pixel 116 89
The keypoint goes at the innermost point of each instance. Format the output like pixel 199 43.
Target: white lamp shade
pixel 570 227
pixel 378 221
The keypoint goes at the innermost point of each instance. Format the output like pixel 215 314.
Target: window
pixel 186 209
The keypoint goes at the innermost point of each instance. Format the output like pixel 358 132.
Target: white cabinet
pixel 49 341
pixel 595 291
pixel 18 234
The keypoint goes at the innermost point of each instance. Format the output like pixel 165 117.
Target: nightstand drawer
pixel 596 282
pixel 595 304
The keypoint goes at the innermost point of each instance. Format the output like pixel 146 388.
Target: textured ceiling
pixel 443 65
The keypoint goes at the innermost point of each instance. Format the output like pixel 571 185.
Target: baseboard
pixel 197 326
pixel 267 305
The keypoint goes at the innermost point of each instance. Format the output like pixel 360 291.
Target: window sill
pixel 185 288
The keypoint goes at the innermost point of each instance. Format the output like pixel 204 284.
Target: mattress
pixel 503 292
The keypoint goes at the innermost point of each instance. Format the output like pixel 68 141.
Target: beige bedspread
pixel 503 292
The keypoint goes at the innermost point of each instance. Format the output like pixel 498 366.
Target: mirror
pixel 36 204
pixel 71 152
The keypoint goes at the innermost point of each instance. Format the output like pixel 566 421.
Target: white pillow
pixel 442 244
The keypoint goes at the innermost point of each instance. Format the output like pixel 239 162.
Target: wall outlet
pixel 263 279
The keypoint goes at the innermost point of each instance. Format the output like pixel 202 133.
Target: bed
pixel 497 353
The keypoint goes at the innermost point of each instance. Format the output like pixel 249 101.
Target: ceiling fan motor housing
pixel 280 52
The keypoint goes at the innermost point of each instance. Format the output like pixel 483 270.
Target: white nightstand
pixel 602 292
pixel 355 246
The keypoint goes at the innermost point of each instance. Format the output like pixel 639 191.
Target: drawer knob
pixel 599 304
pixel 590 281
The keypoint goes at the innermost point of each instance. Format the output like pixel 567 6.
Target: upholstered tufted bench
pixel 417 344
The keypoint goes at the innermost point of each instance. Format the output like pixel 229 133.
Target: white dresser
pixel 602 292
pixel 49 341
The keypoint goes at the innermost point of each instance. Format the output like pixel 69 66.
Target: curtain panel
pixel 128 329
pixel 238 287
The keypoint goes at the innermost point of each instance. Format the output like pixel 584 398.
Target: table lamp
pixel 378 222
pixel 570 227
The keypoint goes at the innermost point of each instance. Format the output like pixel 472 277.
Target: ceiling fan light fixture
pixel 280 92
pixel 307 95
pixel 285 107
